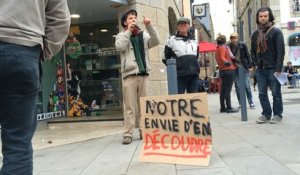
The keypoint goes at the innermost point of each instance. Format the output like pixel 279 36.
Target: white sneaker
pixel 252 106
pixel 276 119
pixel 262 119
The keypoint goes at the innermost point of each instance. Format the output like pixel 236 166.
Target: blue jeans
pixel 187 83
pixel 265 80
pixel 19 86
pixel 247 85
pixel 295 77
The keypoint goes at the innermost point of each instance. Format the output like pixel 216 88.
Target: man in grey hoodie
pixel 30 31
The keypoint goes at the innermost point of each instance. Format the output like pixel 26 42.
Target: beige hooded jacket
pixel 123 45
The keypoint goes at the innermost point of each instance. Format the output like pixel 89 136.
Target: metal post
pixel 63 55
pixel 242 77
pixel 172 76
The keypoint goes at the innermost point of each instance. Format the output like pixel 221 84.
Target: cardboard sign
pixel 176 129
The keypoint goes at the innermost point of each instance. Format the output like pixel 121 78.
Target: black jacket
pixel 244 55
pixel 273 57
pixel 185 50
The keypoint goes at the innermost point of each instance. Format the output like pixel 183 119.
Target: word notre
pixel 180 107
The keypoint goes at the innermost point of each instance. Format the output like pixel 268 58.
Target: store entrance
pixel 94 67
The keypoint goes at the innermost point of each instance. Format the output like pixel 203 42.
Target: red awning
pixel 205 46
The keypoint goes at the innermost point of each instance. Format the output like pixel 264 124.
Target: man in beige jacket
pixel 133 45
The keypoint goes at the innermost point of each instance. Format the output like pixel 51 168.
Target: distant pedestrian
pixel 289 68
pixel 30 31
pixel 267 52
pixel 184 48
pixel 133 45
pixel 226 72
pixel 244 63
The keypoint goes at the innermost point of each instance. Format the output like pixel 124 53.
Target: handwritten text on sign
pixel 176 129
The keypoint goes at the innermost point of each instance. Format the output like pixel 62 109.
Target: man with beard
pixel 267 51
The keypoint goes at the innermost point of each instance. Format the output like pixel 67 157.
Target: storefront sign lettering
pixel 107 51
pixel 45 116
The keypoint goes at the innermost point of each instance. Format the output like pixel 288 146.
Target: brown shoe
pixel 126 140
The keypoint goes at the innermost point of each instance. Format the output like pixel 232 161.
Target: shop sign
pixel 176 129
pixel 107 51
pixel 49 115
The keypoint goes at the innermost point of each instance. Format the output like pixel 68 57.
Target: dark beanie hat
pixel 124 17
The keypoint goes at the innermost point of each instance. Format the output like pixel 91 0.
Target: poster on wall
pixel 294 55
pixel 176 129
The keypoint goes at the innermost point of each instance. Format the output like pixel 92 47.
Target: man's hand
pixel 146 21
pixel 277 73
pixel 131 26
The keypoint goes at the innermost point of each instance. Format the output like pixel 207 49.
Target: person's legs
pixel 248 88
pixel 130 84
pixel 262 81
pixel 276 93
pixel 222 94
pixel 229 83
pixel 192 85
pixel 19 86
pixel 143 91
pixel 182 84
pixel 237 83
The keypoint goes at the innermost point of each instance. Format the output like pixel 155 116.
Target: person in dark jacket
pixel 183 47
pixel 267 52
pixel 290 70
pixel 243 62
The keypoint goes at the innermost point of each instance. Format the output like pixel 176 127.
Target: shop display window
pixel 97 66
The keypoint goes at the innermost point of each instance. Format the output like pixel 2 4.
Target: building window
pixel 250 22
pixel 296 6
pixel 242 31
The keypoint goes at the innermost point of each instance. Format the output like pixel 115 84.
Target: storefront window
pixel 95 66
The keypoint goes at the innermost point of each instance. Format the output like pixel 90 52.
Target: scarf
pixel 263 29
pixel 139 51
pixel 235 50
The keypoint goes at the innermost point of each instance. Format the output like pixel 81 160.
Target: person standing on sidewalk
pixel 289 68
pixel 267 51
pixel 30 31
pixel 184 48
pixel 242 61
pixel 133 45
pixel 226 71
